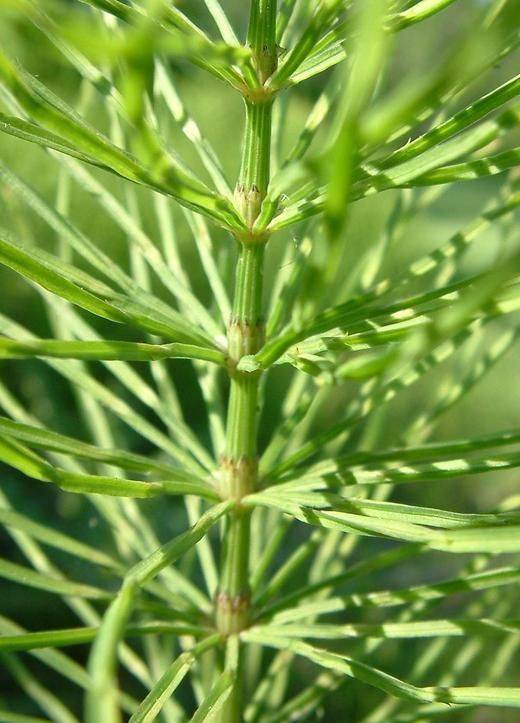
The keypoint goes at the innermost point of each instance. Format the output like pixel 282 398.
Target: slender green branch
pixel 78 636
pixel 105 350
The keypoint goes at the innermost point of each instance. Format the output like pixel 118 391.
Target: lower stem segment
pixel 239 465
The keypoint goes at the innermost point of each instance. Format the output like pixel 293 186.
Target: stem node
pixel 244 339
pixel 238 477
pixel 232 613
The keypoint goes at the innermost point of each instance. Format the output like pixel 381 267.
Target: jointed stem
pixel 239 465
pixel 261 37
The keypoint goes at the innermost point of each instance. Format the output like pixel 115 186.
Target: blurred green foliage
pixel 493 404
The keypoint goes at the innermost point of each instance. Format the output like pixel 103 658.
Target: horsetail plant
pixel 262 605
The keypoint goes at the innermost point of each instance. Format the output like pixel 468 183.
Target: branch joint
pixel 244 339
pixel 237 478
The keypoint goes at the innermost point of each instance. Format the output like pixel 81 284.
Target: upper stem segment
pixel 261 37
pixel 254 171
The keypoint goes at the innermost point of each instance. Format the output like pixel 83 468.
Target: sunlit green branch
pixel 389 598
pixel 26 461
pixel 105 350
pixel 80 636
pixel 509 697
pixel 422 629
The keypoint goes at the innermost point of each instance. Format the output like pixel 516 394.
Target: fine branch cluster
pixel 290 521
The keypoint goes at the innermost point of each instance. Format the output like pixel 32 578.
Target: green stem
pixel 261 37
pixel 254 172
pixel 239 464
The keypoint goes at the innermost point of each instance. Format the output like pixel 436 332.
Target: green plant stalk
pixel 251 188
pixel 261 37
pixel 239 465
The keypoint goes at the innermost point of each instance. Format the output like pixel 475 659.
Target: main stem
pixel 239 464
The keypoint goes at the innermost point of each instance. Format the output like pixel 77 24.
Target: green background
pixel 493 405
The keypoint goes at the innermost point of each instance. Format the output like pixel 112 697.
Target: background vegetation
pixel 45 395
